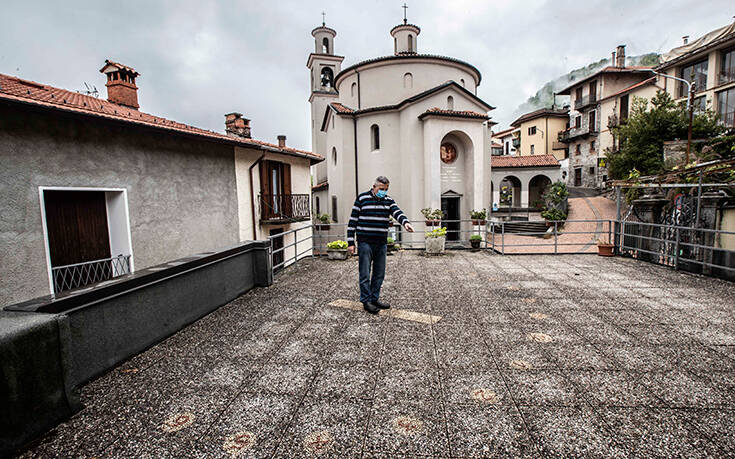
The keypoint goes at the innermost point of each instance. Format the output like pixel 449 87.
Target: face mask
pixel 381 194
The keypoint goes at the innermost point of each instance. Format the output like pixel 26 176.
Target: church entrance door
pixel 450 208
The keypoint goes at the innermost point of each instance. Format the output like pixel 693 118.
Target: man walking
pixel 370 220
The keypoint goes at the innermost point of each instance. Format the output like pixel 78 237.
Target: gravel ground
pixel 534 356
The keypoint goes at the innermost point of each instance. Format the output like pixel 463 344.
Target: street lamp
pixel 690 104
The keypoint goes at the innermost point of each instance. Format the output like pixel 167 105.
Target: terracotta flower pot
pixel 479 222
pixel 605 250
pixel 432 222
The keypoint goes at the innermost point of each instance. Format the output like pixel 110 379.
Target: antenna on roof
pixel 89 91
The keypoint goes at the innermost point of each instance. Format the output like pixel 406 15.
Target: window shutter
pixel 287 199
pixel 286 178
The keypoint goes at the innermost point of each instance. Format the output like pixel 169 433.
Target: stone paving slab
pixel 540 356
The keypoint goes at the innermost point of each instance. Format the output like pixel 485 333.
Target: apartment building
pixel 509 140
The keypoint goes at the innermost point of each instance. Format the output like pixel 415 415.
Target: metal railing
pixel 585 101
pixel 77 275
pixel 552 241
pixel 281 207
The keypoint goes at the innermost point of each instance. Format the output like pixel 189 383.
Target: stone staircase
pixel 523 227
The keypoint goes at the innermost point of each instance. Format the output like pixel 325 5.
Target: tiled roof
pixel 608 69
pixel 454 113
pixel 524 161
pixel 632 87
pixel 539 114
pixel 341 108
pixel 504 133
pixel 14 89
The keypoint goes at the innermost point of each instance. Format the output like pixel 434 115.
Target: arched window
pixel 375 137
pixel 353 89
pixel 334 156
pixel 410 43
pixel 408 81
pixel 450 103
pixel 327 77
pixel 461 80
pixel 325 45
pixel 395 45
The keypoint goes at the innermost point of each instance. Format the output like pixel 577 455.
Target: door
pixel 578 176
pixel 275 190
pixel 450 208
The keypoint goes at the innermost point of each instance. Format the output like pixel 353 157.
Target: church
pixel 415 118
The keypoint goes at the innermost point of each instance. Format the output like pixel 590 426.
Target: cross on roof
pixel 324 18
pixel 405 8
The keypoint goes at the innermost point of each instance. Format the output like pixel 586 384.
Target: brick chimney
pixel 620 57
pixel 282 141
pixel 237 126
pixel 120 84
pixel 685 39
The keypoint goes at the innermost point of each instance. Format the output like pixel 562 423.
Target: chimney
pixel 612 61
pixel 120 84
pixel 685 39
pixel 282 141
pixel 620 58
pixel 237 126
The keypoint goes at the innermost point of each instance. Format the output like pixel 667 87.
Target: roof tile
pixel 524 161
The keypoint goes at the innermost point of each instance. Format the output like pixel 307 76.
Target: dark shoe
pixel 381 305
pixel 372 308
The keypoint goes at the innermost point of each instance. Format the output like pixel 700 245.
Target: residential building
pixel 95 188
pixel 584 137
pixel 708 62
pixel 412 117
pixel 508 138
pixel 538 132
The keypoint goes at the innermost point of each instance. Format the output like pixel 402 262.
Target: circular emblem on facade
pixel 177 422
pixel 239 442
pixel 448 153
pixel 407 425
pixel 540 337
pixel 521 365
pixel 318 442
pixel 538 316
pixel 484 396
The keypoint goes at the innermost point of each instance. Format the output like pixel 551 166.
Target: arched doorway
pixel 510 191
pixel 537 186
pixel 457 191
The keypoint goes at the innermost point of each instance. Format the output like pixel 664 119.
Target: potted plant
pixel 553 215
pixel 337 250
pixel 391 244
pixel 432 216
pixel 435 240
pixel 479 217
pixel 605 249
pixel 475 241
pixel 322 221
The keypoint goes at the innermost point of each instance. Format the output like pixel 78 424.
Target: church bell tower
pixel 323 67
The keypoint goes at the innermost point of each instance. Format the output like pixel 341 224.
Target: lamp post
pixel 690 105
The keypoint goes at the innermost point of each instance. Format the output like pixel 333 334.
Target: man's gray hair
pixel 382 179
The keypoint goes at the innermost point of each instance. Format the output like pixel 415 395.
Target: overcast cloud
pixel 199 60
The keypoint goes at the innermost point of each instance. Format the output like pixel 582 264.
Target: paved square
pixel 525 356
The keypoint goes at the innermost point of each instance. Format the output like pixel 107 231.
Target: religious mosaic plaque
pixel 483 395
pixel 540 337
pixel 538 316
pixel 177 422
pixel 407 425
pixel 318 442
pixel 448 153
pixel 239 442
pixel 521 365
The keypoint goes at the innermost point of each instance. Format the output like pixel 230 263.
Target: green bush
pixel 556 193
pixel 475 237
pixel 323 218
pixel 437 232
pixel 391 241
pixel 337 245
pixel 554 215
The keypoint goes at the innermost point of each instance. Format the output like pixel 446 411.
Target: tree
pixel 642 137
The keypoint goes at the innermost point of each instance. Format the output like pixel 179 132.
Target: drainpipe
pixel 252 194
pixel 354 125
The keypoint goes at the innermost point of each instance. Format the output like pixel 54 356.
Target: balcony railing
pixel 68 277
pixel 573 133
pixel 284 207
pixel 585 101
pixel 726 76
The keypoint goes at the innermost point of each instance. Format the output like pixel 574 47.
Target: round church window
pixel 448 153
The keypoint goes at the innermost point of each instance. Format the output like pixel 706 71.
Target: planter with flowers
pixel 432 217
pixel 479 217
pixel 321 222
pixel 475 241
pixel 435 240
pixel 337 250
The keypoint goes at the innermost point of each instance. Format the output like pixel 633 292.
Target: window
pixel 532 130
pixel 333 117
pixel 410 43
pixel 533 150
pixel 578 122
pixel 727 66
pixel 624 106
pixel 327 77
pixel 578 149
pixel 408 81
pixel 316 205
pixel 593 91
pixel 696 73
pixel 578 93
pixel 593 119
pixel 325 45
pixel 375 137
pixel 592 171
pixel 334 208
pixel 334 156
pixel 450 103
pixel 592 146
pixel 353 89
pixel 461 80
pixel 507 146
pixel 700 104
pixel 726 107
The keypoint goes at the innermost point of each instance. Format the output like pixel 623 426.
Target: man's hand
pixel 409 228
pixel 351 249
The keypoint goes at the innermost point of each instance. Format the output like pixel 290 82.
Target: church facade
pixel 412 117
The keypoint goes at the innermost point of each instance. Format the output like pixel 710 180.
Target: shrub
pixel 475 237
pixel 554 215
pixel 556 193
pixel 337 245
pixel 437 232
pixel 323 218
pixel 391 241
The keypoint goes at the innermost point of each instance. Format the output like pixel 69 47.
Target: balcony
pixel 585 101
pixel 573 133
pixel 284 208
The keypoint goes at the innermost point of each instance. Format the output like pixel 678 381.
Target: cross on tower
pixel 405 7
pixel 324 19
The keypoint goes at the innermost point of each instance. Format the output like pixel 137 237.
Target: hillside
pixel 544 97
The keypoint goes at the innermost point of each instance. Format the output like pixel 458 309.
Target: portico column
pixel 496 194
pixel 524 194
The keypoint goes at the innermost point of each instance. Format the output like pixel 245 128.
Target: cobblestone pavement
pixel 539 356
pixel 594 208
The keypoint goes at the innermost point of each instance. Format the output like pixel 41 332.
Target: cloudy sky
pixel 201 59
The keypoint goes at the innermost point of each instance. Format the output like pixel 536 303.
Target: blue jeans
pixel 371 254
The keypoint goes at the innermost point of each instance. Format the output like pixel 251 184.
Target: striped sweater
pixel 370 218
